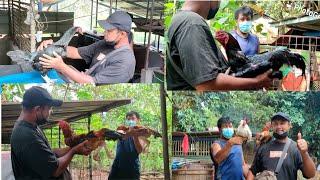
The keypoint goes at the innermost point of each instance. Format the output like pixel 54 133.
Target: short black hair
pixel 26 108
pixel 131 113
pixel 245 10
pixel 29 108
pixel 223 120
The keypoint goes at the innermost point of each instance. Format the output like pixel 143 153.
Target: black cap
pixel 280 115
pixel 38 96
pixel 118 19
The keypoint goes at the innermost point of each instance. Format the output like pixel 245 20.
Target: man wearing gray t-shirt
pixel 111 60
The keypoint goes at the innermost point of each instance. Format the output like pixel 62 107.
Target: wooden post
pixel 91 15
pixel 32 28
pixel 90 156
pixel 145 33
pixel 164 132
pixel 149 38
pixel 110 11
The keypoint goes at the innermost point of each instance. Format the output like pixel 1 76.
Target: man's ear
pixel 123 33
pixel 37 108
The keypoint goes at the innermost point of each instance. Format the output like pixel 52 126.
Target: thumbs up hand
pixel 302 144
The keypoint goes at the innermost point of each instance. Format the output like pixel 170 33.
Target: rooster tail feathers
pixel 299 61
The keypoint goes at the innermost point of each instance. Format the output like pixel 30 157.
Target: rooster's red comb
pixel 222 37
pixel 63 123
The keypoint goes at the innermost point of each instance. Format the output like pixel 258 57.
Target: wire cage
pixel 198 146
pixel 86 167
pixel 81 167
pixel 18 30
pixel 309 48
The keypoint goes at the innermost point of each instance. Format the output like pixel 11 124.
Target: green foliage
pixel 224 19
pixel 279 9
pixel 198 111
pixel 170 8
pixel 145 99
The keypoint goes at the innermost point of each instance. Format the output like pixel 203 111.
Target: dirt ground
pixel 78 174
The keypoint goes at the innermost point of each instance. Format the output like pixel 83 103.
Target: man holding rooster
pixel 32 156
pixel 268 155
pixel 194 60
pixel 126 165
pixel 226 153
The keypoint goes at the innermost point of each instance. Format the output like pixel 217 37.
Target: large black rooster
pixel 251 66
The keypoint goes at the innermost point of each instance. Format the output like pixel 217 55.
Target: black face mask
pixel 41 121
pixel 280 136
pixel 111 43
pixel 212 13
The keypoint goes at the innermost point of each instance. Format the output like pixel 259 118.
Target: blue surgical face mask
pixel 245 26
pixel 131 123
pixel 212 13
pixel 227 133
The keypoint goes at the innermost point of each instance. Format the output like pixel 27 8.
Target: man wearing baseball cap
pixel 31 154
pixel 111 59
pixel 296 158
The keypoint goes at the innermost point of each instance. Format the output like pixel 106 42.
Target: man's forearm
pixel 226 82
pixel 61 151
pixel 309 168
pixel 74 75
pixel 223 153
pixel 64 161
pixel 73 53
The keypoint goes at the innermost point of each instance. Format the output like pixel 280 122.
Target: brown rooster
pixel 141 130
pixel 264 136
pixel 95 138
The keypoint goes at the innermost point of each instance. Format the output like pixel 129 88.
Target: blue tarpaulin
pixel 30 77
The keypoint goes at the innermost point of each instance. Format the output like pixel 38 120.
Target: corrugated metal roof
pixel 304 22
pixel 141 11
pixel 69 111
pixel 140 7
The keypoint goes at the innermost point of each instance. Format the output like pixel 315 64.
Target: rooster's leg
pixel 96 155
pixel 108 152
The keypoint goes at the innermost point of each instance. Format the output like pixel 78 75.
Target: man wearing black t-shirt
pixel 197 62
pixel 31 154
pixel 297 156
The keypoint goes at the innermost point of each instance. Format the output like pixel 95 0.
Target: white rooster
pixel 244 130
